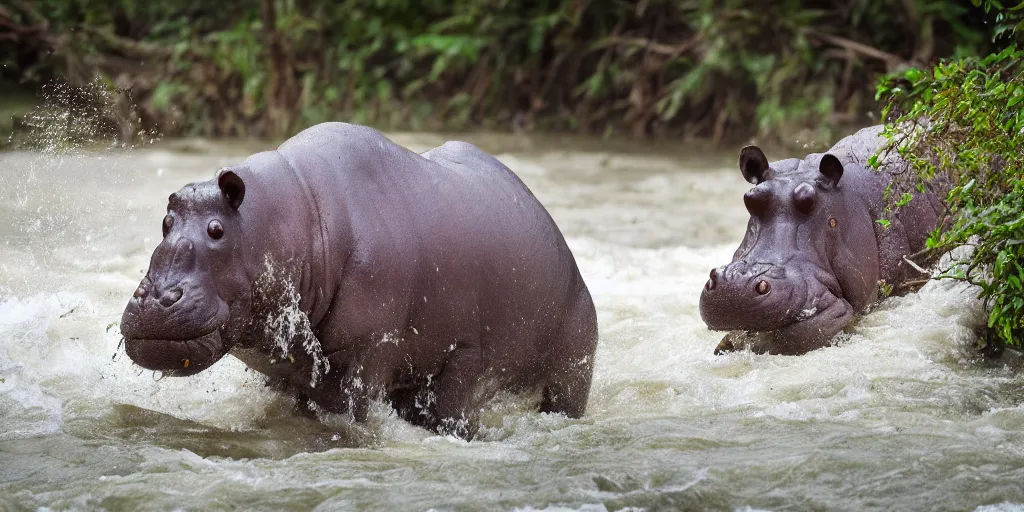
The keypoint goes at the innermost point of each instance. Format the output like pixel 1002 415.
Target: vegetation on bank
pixel 724 69
pixel 967 119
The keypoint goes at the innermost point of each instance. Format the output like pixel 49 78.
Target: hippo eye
pixel 215 230
pixel 168 223
pixel 803 198
pixel 763 287
pixel 832 222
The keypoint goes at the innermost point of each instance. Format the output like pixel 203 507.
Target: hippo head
pixel 177 321
pixel 781 281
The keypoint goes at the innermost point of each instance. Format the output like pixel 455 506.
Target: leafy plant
pixel 961 122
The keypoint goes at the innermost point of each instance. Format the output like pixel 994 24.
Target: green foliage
pixel 1009 21
pixel 713 68
pixel 961 122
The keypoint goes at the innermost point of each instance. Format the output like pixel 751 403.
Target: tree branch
pixel 649 45
pixel 125 46
pixel 891 61
pixel 30 12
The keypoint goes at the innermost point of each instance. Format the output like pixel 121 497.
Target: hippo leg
pixel 456 389
pixel 728 344
pixel 302 407
pixel 369 377
pixel 757 342
pixel 569 385
pixel 414 404
pixel 343 391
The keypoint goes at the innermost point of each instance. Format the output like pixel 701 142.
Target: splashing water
pixel 70 119
pixel 285 323
pixel 72 124
pixel 901 414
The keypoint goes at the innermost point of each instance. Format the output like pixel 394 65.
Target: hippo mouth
pixel 777 319
pixel 177 358
pixel 813 328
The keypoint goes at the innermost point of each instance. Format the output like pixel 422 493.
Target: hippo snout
pixel 174 326
pixel 712 280
pixel 762 286
pixel 171 331
pixel 165 298
pixel 748 296
pixel 176 310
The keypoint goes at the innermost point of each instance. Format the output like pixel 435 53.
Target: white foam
pixel 30 409
pixel 1005 506
pixel 59 352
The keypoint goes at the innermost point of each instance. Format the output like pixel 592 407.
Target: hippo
pixel 347 269
pixel 820 247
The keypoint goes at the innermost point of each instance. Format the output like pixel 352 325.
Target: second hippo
pixel 814 254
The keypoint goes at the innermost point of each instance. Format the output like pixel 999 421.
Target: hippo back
pixel 426 240
pixel 901 231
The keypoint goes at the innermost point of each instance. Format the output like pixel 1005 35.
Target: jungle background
pixel 723 70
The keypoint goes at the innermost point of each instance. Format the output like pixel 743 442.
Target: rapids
pixel 900 415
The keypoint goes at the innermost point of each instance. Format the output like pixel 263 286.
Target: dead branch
pixel 891 61
pixel 30 12
pixel 649 45
pixel 127 47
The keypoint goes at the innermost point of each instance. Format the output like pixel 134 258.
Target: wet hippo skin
pixel 349 268
pixel 814 255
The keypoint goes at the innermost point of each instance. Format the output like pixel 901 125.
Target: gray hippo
pixel 350 268
pixel 814 255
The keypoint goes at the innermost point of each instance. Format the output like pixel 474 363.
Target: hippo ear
pixel 831 170
pixel 233 188
pixel 753 165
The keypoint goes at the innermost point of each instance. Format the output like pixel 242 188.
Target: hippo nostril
pixel 140 291
pixel 713 280
pixel 170 297
pixel 763 287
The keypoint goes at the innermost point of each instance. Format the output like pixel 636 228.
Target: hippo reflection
pixel 814 255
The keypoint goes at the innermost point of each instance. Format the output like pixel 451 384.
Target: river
pixel 900 415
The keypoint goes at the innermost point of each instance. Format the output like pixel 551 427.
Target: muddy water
pixel 900 415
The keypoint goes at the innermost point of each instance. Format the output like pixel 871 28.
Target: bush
pixel 967 126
